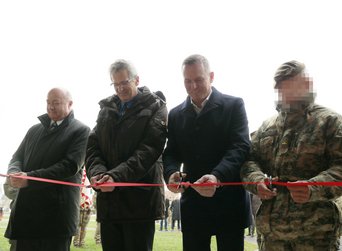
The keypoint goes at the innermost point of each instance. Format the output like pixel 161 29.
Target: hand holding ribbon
pixel 176 182
pixel 265 191
pixel 18 182
pixel 102 179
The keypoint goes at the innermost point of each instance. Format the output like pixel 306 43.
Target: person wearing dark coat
pixel 125 146
pixel 163 222
pixel 175 209
pixel 208 134
pixel 45 215
pixel 255 204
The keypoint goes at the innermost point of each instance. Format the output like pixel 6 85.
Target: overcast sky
pixel 71 43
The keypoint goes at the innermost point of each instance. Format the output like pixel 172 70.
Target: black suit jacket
pixel 216 141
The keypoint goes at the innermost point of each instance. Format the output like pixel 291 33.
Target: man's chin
pixel 52 117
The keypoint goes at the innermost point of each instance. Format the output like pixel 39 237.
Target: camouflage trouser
pixel 331 244
pixel 97 235
pixel 81 229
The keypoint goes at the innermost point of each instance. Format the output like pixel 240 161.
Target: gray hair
pixel 288 70
pixel 196 59
pixel 122 64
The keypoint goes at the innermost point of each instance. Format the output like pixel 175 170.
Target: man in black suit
pixel 208 134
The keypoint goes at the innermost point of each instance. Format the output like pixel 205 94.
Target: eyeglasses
pixel 122 83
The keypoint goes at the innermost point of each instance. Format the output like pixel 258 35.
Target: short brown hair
pixel 288 70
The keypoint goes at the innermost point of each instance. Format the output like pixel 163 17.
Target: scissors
pixel 269 178
pixel 180 180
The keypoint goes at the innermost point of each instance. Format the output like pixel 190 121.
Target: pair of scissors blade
pixel 269 179
pixel 180 181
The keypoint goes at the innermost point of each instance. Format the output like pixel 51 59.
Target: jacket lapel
pixel 213 103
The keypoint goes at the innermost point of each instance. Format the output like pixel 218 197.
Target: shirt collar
pixel 58 122
pixel 127 104
pixel 205 101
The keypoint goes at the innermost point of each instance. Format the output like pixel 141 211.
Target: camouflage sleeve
pixel 334 164
pixel 251 171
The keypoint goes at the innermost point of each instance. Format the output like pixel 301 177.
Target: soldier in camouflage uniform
pixel 85 211
pixel 303 143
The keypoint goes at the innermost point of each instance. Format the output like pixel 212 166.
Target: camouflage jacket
pixel 305 145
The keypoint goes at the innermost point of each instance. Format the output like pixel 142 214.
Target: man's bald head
pixel 59 103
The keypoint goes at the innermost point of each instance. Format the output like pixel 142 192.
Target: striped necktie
pixel 53 126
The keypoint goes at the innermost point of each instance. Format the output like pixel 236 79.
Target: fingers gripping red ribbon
pixel 127 184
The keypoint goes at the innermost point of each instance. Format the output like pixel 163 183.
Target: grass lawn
pixel 163 241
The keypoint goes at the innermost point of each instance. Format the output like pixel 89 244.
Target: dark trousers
pixel 13 245
pixel 173 224
pixel 135 236
pixel 200 241
pixel 59 244
pixel 163 222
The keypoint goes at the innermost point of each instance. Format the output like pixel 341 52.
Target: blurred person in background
pixel 163 222
pixel 85 211
pixel 175 213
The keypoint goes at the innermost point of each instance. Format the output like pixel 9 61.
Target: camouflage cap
pixel 288 70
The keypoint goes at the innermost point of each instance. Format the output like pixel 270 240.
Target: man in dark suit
pixel 208 134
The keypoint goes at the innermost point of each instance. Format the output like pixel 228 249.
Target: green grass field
pixel 163 241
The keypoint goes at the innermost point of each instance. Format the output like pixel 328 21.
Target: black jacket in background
pixel 128 149
pixel 214 142
pixel 45 210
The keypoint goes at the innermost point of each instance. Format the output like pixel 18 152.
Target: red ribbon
pixel 128 184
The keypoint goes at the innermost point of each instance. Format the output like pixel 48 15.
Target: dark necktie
pixel 53 126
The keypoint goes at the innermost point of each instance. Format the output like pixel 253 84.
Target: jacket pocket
pixel 262 220
pixel 140 119
pixel 266 147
